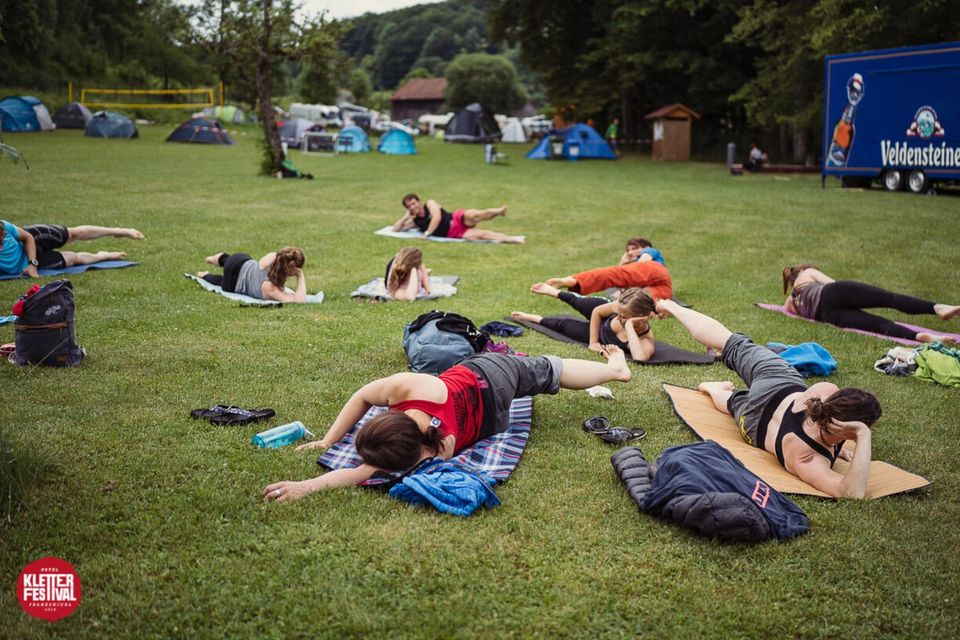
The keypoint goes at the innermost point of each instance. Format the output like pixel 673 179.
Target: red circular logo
pixel 49 589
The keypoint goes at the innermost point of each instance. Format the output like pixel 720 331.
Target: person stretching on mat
pixel 817 296
pixel 406 275
pixel 24 251
pixel 433 416
pixel 625 323
pixel 648 274
pixel 434 220
pixel 263 279
pixel 804 427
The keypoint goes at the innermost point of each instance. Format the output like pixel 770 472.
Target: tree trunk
pixel 800 153
pixel 273 152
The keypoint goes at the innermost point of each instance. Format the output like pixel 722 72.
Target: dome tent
pixel 72 116
pixel 353 139
pixel 110 124
pixel 579 142
pixel 200 131
pixel 397 142
pixel 473 123
pixel 24 113
pixel 513 131
pixel 226 113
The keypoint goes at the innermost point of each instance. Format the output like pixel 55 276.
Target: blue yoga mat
pixel 80 268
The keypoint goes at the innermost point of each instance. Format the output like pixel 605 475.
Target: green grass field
pixel 160 514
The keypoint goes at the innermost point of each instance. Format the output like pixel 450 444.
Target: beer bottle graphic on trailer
pixel 843 131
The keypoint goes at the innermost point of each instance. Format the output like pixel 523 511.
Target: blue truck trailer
pixel 893 116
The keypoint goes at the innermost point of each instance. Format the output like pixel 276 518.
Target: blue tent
pixel 24 113
pixel 200 131
pixel 353 139
pixel 579 142
pixel 110 124
pixel 397 142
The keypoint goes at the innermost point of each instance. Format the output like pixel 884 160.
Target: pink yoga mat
pixel 781 309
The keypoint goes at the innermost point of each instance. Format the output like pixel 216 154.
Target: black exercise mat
pixel 663 353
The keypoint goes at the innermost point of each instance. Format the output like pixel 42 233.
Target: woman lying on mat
pixel 804 427
pixel 440 416
pixel 406 275
pixel 649 274
pixel 264 278
pixel 625 323
pixel 817 296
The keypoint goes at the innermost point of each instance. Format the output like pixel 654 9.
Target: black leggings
pixel 578 330
pixel 842 304
pixel 231 271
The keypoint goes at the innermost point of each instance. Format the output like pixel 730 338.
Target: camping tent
pixel 473 123
pixel 110 124
pixel 24 113
pixel 397 142
pixel 292 131
pixel 72 116
pixel 226 113
pixel 353 139
pixel 513 131
pixel 200 131
pixel 576 142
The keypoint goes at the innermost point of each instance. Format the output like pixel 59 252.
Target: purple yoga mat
pixel 781 309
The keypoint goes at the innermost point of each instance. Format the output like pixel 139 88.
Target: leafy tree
pixel 480 77
pixel 360 86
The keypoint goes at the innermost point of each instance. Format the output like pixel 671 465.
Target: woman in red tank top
pixel 439 416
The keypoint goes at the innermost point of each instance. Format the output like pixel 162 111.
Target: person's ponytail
pixel 845 405
pixel 433 439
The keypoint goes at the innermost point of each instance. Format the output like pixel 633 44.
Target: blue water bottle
pixel 280 436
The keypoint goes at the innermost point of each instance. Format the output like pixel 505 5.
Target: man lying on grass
pixel 440 416
pixel 24 251
pixel 804 427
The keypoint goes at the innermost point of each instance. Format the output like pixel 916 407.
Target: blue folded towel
pixel 447 487
pixel 809 358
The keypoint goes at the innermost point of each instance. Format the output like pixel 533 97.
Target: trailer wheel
pixel 892 180
pixel 917 182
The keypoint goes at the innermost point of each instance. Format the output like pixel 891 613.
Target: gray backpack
pixel 44 333
pixel 437 340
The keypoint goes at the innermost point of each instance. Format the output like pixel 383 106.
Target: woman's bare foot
pixel 927 338
pixel 526 317
pixel 545 289
pixel 706 387
pixel 515 240
pixel 131 233
pixel 200 274
pixel 214 259
pixel 617 360
pixel 946 311
pixel 110 255
pixel 501 211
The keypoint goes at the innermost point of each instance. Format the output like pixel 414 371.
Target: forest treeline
pixel 747 66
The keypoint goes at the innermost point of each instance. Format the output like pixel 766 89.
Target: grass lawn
pixel 160 514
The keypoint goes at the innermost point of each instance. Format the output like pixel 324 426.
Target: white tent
pixel 513 131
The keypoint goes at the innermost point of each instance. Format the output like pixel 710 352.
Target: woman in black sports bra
pixel 804 427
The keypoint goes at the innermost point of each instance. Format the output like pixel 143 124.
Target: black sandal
pixel 599 424
pixel 215 410
pixel 620 435
pixel 238 415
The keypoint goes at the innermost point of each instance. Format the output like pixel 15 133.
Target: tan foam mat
pixel 697 412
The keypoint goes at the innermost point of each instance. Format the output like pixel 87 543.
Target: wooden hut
pixel 671 131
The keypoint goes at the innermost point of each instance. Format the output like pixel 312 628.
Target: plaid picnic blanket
pixel 496 456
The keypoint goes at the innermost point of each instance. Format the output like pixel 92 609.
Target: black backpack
pixel 44 332
pixel 437 340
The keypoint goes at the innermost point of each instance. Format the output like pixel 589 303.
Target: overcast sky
pixel 353 8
